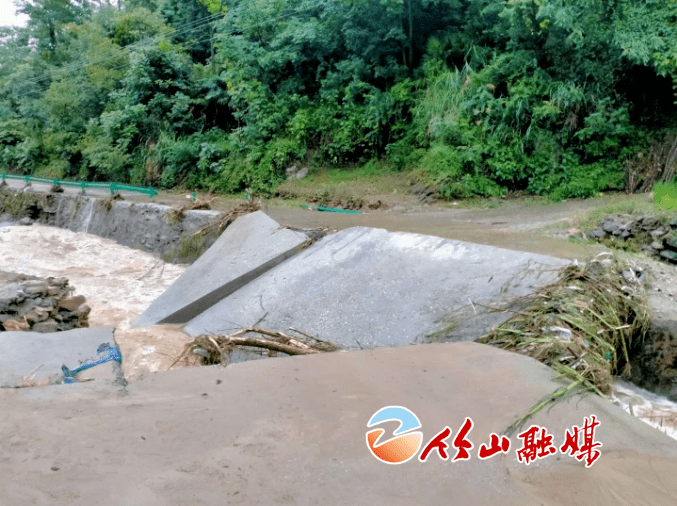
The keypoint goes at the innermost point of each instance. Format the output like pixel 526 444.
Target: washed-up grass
pixel 585 326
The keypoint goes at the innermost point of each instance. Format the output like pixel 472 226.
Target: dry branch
pixel 224 221
pixel 218 348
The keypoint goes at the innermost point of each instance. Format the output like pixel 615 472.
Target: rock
pixel 671 242
pixel 36 316
pixel 598 234
pixel 72 303
pixel 83 311
pixel 33 289
pixel 673 223
pixel 25 299
pixel 25 221
pixel 620 231
pixel 611 226
pixel 294 172
pixel 6 218
pixel 657 246
pixel 46 326
pixel 15 325
pixel 669 255
pixel 46 302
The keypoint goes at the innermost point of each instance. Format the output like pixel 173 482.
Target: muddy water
pixel 442 224
pixel 513 226
pixel 655 410
pixel 118 282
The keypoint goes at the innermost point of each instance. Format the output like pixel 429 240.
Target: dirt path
pixel 516 224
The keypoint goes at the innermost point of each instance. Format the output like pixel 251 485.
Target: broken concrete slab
pixel 199 435
pixel 35 359
pixel 250 246
pixel 371 288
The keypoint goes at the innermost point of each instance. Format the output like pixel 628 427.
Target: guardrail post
pixel 113 187
pixel 28 179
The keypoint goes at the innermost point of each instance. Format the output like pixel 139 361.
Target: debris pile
pixel 653 236
pixel 217 349
pixel 226 218
pixel 586 326
pixel 40 305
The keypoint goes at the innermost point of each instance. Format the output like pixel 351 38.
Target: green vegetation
pixel 665 196
pixel 190 248
pixel 476 98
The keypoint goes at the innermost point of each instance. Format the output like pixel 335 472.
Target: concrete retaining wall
pixel 142 226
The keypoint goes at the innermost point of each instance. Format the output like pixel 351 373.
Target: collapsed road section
pixel 202 434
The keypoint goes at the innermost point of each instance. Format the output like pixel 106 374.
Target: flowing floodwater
pixel 656 410
pixel 119 283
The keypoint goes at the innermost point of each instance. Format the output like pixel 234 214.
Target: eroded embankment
pixel 148 227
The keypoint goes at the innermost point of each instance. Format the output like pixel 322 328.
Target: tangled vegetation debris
pixel 585 326
pixel 176 213
pixel 224 221
pixel 192 246
pixel 217 349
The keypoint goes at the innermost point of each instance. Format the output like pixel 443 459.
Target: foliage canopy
pixel 484 96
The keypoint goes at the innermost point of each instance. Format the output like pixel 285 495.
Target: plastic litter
pixel 105 353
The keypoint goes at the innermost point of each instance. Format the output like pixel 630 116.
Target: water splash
pixel 89 214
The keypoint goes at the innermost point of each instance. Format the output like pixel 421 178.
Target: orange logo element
pixel 404 445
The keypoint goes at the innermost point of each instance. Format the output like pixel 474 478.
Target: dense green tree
pixel 484 96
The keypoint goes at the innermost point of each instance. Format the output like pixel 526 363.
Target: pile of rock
pixel 40 305
pixel 656 237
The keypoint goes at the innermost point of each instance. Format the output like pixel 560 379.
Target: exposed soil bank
pixel 147 227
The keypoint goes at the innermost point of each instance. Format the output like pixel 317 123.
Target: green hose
pixel 332 210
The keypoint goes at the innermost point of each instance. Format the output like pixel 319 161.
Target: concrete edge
pixel 195 308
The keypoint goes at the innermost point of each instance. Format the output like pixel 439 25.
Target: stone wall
pixel 40 305
pixel 655 236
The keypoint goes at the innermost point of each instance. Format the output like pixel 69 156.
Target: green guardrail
pixel 112 187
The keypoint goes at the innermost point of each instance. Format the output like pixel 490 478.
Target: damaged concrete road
pixel 363 288
pixel 292 431
pixel 252 245
pixel 36 359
